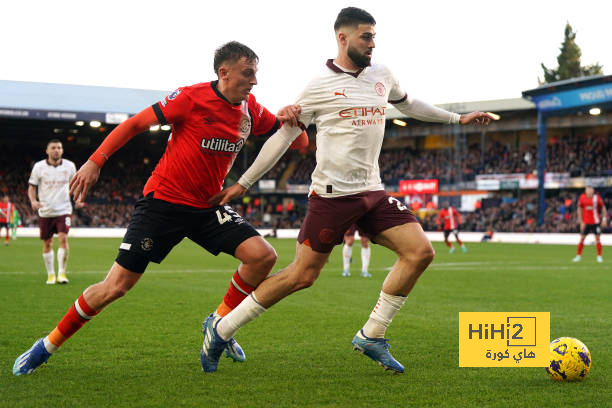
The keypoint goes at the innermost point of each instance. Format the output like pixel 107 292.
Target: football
pixel 570 360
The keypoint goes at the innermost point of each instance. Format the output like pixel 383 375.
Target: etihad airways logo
pixel 362 111
pixel 222 145
pixel 365 115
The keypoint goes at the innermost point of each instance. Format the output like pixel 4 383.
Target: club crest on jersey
pixel 380 89
pixel 174 94
pixel 245 126
pixel 222 145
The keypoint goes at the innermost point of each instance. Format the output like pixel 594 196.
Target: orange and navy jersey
pixel 450 217
pixel 6 212
pixel 591 208
pixel 208 131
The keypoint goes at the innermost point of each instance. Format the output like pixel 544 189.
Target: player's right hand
pixel 226 195
pixel 36 205
pixel 83 180
pixel 290 115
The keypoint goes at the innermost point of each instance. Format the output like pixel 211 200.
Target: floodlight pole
pixel 541 167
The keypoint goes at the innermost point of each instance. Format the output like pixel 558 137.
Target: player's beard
pixel 361 60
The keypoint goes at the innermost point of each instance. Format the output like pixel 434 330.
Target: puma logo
pixel 340 93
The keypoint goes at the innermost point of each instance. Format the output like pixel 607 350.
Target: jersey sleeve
pixel 396 93
pixel 264 122
pixel 307 102
pixel 174 107
pixel 35 176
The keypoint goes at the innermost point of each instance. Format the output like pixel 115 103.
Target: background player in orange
pixel 450 220
pixel 592 215
pixel 210 124
pixel 6 217
pixel 347 251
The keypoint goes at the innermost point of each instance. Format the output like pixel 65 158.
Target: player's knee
pixel 421 256
pixel 306 278
pixel 116 291
pixel 268 259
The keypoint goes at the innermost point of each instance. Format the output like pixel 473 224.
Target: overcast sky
pixel 441 51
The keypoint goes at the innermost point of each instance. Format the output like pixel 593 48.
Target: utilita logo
pixel 222 145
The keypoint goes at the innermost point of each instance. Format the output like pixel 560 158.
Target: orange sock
pixel 78 314
pixel 238 290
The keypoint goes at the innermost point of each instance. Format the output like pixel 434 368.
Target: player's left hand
pixel 227 194
pixel 83 180
pixel 477 118
pixel 290 115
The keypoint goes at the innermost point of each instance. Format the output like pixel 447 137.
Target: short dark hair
pixel 233 51
pixel 54 141
pixel 353 16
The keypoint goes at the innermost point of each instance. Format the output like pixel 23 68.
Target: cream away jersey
pixel 348 110
pixel 52 183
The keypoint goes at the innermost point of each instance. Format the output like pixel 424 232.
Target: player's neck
pixel 54 163
pixel 225 91
pixel 345 63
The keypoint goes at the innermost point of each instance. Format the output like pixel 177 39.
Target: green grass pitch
pixel 144 349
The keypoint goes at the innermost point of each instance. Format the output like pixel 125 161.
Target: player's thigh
pixel 154 229
pixel 221 229
pixel 255 249
pixel 308 263
pixel 407 240
pixel 328 219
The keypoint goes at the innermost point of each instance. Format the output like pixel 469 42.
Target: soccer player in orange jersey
pixel 593 215
pixel 450 220
pixel 6 214
pixel 210 124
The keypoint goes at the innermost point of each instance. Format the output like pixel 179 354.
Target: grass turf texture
pixel 143 350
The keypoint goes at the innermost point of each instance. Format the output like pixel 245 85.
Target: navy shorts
pixel 447 232
pixel 591 229
pixel 327 219
pixel 157 226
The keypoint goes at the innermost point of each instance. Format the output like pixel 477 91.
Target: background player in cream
pixel 48 194
pixel 347 252
pixel 347 101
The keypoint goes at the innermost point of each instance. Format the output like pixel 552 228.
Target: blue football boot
pixel 213 345
pixel 378 350
pixel 31 359
pixel 234 351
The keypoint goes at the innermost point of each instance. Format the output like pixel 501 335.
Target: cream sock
pixel 248 310
pixel 48 258
pixel 62 260
pixel 365 258
pixel 384 311
pixel 347 252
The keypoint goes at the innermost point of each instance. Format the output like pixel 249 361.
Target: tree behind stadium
pixel 569 61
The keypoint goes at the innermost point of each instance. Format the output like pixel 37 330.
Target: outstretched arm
pixel 90 171
pixel 272 150
pixel 420 110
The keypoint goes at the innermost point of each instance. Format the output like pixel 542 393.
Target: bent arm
pixel 33 193
pixel 122 134
pixel 271 151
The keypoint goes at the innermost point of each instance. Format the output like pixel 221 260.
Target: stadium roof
pixel 48 101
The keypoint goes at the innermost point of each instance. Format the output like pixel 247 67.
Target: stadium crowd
pixel 111 201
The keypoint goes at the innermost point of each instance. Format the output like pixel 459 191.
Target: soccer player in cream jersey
pixel 347 101
pixel 48 194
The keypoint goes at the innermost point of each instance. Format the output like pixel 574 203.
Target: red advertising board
pixel 418 186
